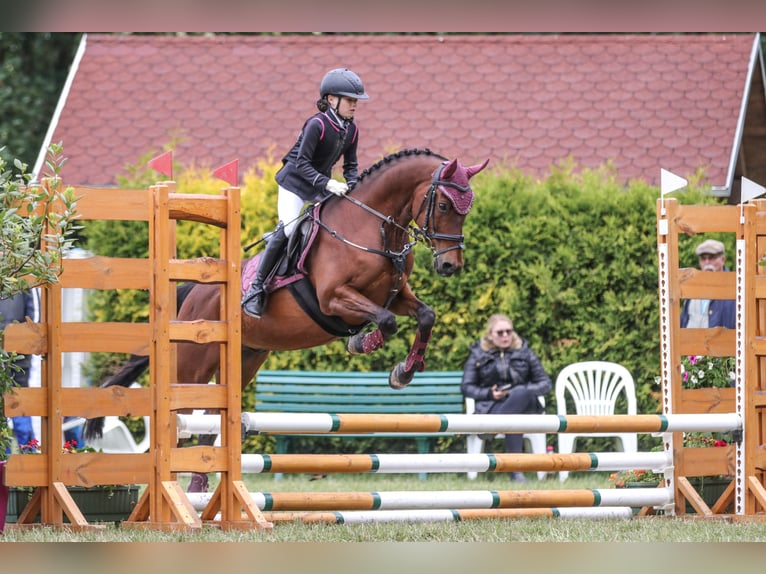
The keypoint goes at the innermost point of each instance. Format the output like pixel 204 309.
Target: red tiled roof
pixel 641 101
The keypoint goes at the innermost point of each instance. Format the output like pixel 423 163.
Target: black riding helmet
pixel 342 82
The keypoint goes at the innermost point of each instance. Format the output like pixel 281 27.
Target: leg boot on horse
pixel 254 301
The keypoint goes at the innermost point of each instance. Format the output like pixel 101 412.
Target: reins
pixel 415 232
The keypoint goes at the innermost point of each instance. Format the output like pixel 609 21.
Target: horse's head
pixel 447 202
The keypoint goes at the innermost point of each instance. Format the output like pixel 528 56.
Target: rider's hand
pixel 336 187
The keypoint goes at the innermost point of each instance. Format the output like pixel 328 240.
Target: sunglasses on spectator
pixel 502 332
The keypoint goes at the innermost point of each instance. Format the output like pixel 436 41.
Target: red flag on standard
pixel 163 163
pixel 228 172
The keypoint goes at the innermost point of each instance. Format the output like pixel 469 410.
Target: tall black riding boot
pixel 255 299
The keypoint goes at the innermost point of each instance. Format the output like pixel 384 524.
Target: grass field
pixel 648 529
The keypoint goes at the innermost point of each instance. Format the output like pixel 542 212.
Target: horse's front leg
pixel 407 304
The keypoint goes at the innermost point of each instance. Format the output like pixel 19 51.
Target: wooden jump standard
pixel 163 504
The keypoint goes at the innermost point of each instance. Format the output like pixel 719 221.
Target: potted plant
pixel 29 222
pixel 710 488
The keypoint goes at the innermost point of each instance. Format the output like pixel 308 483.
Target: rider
pixel 305 174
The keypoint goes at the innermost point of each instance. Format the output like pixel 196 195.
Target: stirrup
pixel 254 302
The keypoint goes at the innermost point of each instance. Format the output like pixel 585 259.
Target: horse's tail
pixel 136 365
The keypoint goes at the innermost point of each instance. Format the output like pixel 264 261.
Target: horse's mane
pixel 396 156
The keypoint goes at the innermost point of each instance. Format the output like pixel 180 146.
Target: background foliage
pixel 571 259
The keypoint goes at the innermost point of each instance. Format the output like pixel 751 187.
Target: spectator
pixel 706 313
pixel 15 310
pixel 505 376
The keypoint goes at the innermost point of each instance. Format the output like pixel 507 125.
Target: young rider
pixel 305 174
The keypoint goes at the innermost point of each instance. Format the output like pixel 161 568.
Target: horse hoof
pixel 198 483
pixel 398 378
pixel 354 345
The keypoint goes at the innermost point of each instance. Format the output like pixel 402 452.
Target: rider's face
pixel 347 106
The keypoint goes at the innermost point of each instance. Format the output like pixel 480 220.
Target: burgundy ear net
pixel 453 172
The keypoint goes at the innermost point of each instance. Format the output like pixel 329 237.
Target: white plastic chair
pixel 536 442
pixel 118 438
pixel 594 386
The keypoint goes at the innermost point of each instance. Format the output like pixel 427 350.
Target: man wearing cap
pixel 706 313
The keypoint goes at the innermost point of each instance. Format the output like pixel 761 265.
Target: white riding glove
pixel 336 187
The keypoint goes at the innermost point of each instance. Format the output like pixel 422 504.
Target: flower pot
pixel 3 496
pixel 98 504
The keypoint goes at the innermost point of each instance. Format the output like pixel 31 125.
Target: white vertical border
pixel 663 277
pixel 740 382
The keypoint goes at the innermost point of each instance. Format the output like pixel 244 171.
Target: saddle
pixel 290 272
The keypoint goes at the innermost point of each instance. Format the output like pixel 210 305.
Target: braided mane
pixel 396 156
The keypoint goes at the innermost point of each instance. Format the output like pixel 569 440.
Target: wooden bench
pixel 436 392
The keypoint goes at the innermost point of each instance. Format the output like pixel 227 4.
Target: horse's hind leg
pixel 251 361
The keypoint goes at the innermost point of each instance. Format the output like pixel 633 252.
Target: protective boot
pixel 255 299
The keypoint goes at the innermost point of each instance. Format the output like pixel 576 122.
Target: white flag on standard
pixel 750 190
pixel 670 182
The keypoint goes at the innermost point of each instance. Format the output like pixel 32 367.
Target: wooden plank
pixel 707 400
pixel 88 402
pixel 210 209
pixel 80 469
pixel 191 396
pixel 93 468
pixel 760 287
pixel 716 342
pixel 28 338
pixel 758 345
pixel 708 461
pixel 759 458
pixel 201 270
pixel 697 284
pixel 26 470
pixel 198 459
pixel 179 505
pixel 26 402
pixel 106 337
pixel 68 505
pixel 687 490
pixel 693 219
pixel 106 273
pixel 91 402
pixel 199 331
pixel 31 338
pixel 96 203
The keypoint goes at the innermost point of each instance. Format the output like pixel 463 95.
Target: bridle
pixel 429 201
pixel 414 232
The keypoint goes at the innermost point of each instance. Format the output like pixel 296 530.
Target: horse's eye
pixel 443 207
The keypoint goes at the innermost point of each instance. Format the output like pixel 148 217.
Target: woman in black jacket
pixel 505 376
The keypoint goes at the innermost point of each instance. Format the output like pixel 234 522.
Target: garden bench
pixel 431 392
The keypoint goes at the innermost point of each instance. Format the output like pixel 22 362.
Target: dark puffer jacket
pixel 486 367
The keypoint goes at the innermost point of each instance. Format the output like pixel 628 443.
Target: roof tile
pixel 533 99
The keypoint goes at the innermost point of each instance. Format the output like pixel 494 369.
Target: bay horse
pixel 357 264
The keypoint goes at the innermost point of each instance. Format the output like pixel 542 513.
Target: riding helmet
pixel 342 82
